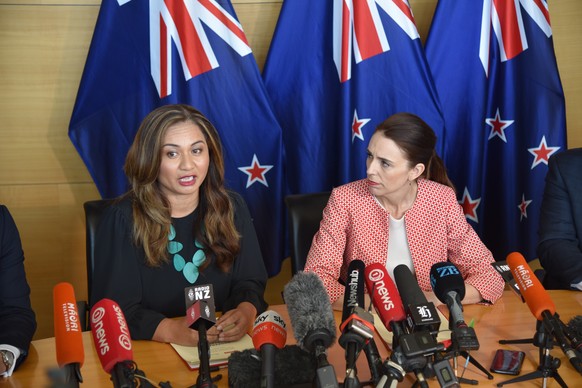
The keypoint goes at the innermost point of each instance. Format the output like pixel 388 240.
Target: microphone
pixel 68 335
pixel 420 314
pixel 540 304
pixel 408 349
pixel 201 316
pixel 386 299
pixel 449 287
pixel 113 343
pixel 357 324
pixel 269 333
pixel 312 320
pixel 294 368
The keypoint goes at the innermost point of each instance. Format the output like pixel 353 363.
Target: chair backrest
pixel 305 213
pixel 93 212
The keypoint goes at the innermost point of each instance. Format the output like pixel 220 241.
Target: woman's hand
pixel 176 330
pixel 233 324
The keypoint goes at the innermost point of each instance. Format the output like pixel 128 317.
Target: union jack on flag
pixel 145 54
pixel 334 71
pixel 504 112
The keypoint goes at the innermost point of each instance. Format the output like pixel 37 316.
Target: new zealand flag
pixel 495 70
pixel 145 54
pixel 335 70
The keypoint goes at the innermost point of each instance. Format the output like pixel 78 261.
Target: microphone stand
pixel 374 361
pixel 548 365
pixel 399 364
pixel 204 380
pixel 457 350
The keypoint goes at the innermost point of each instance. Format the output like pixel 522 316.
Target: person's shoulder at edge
pixel 567 154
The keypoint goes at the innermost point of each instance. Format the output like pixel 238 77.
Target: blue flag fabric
pixel 145 54
pixel 495 70
pixel 334 71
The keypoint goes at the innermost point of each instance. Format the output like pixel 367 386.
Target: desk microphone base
pixel 548 366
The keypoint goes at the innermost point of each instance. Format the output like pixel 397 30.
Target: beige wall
pixel 43 46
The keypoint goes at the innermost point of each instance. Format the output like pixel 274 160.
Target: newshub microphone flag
pixel 495 70
pixel 334 71
pixel 145 54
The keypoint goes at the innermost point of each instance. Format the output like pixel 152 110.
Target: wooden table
pixel 507 319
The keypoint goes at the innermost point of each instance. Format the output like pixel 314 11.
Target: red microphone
pixel 112 342
pixel 385 297
pixel 68 333
pixel 540 304
pixel 269 332
pixel 410 347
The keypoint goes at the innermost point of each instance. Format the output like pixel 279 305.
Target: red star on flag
pixel 498 126
pixel 470 206
pixel 542 153
pixel 357 125
pixel 256 172
pixel 523 207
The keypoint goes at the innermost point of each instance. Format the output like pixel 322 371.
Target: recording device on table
pixel 113 346
pixel 68 338
pixel 549 328
pixel 313 322
pixel 201 316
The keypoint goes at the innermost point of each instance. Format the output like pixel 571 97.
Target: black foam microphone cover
pixel 445 278
pixel 407 285
pixel 294 367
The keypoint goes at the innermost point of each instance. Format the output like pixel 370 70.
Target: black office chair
pixel 305 213
pixel 93 212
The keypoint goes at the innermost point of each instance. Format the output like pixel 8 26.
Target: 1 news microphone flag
pixel 334 71
pixel 495 69
pixel 145 54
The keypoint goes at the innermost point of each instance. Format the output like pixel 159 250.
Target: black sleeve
pixel 17 320
pixel 559 243
pixel 116 275
pixel 249 276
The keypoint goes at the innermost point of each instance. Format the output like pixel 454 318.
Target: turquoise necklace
pixel 189 269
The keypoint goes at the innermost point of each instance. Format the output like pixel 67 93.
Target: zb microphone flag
pixel 334 71
pixel 495 69
pixel 145 54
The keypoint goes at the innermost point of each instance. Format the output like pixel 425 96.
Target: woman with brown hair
pixel 178 226
pixel 404 212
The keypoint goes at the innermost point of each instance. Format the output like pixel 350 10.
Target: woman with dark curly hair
pixel 178 226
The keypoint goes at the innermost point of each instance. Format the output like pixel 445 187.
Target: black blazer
pixel 17 320
pixel 560 231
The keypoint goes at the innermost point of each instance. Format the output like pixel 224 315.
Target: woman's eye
pixel 171 154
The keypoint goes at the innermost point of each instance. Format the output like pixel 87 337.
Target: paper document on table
pixel 219 351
